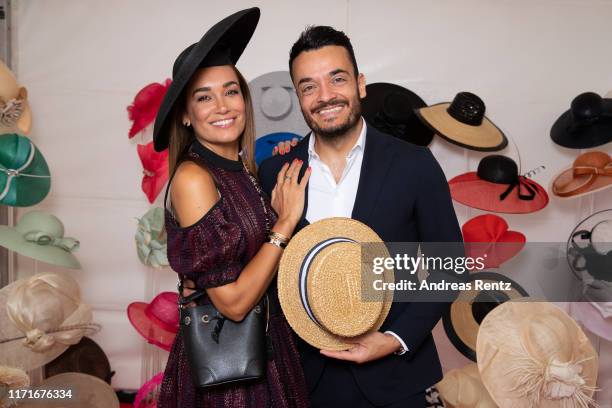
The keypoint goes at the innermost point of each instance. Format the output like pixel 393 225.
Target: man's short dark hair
pixel 315 37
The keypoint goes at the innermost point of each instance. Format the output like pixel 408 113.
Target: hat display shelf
pixel 21 127
pixel 141 113
pixel 154 358
pixel 9 78
pixel 593 318
pixel 586 206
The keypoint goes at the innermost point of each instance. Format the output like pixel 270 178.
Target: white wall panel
pixel 83 62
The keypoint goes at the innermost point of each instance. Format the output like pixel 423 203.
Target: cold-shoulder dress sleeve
pixel 208 252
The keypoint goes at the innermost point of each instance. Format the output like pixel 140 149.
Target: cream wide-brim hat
pixel 485 137
pixel 40 302
pixel 531 353
pixel 321 269
pixel 86 391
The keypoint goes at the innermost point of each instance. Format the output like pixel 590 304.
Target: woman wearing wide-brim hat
pixel 222 233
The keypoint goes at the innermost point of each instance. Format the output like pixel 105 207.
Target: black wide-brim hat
pixel 588 123
pixel 223 44
pixel 390 109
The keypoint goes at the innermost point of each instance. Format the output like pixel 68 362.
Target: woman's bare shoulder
pixel 193 192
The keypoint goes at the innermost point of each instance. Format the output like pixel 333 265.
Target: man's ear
pixel 361 84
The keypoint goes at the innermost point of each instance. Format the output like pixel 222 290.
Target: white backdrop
pixel 84 60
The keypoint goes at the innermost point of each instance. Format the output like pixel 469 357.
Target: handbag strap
pixel 185 300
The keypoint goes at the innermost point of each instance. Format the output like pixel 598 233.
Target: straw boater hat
pixel 588 123
pixel 326 298
pixel 463 122
pixel 24 174
pixel 390 109
pixel 590 173
pixel 40 317
pixel 223 44
pixel 462 321
pixel 40 236
pixel 532 354
pixel 463 388
pixel 15 113
pixel 86 391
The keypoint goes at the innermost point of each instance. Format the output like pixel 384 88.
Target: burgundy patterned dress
pixel 213 252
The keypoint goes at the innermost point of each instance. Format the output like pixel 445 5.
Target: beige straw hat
pixel 40 317
pixel 463 122
pixel 15 113
pixel 325 296
pixel 86 391
pixel 463 388
pixel 532 354
pixel 11 379
pixel 462 321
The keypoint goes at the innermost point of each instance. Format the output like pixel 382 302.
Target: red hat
pixel 158 321
pixel 148 394
pixel 154 169
pixel 143 110
pixel 498 187
pixel 488 235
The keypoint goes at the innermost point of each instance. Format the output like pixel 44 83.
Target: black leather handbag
pixel 222 351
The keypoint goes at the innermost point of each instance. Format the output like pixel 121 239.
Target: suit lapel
pixel 374 169
pixel 302 154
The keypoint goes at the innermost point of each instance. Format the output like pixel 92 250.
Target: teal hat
pixel 24 174
pixel 151 239
pixel 40 236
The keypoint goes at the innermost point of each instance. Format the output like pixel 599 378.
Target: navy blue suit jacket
pixel 403 196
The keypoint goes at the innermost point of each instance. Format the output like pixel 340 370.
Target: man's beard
pixel 337 131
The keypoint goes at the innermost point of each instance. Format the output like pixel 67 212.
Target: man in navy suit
pixel 396 188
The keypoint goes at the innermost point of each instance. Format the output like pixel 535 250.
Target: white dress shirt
pixel 326 198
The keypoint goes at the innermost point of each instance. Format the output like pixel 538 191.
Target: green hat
pixel 151 239
pixel 24 174
pixel 40 236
